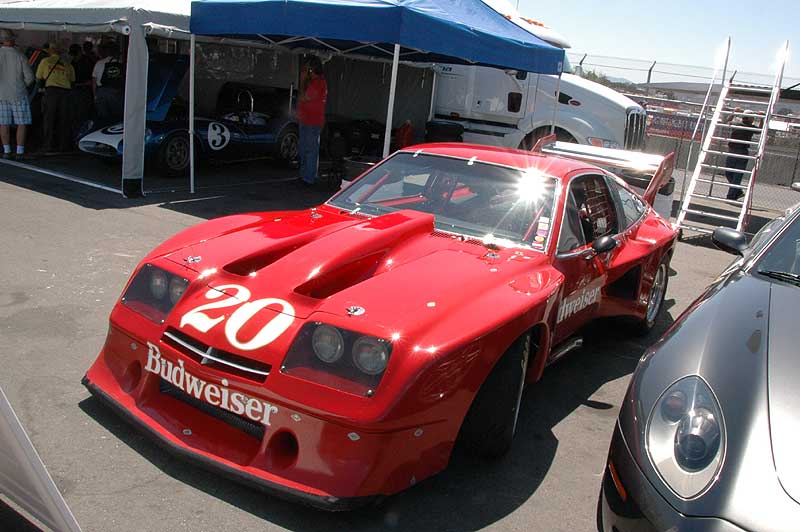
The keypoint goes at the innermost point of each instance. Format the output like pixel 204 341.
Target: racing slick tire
pixel 491 421
pixel 287 144
pixel 655 300
pixel 530 139
pixel 173 155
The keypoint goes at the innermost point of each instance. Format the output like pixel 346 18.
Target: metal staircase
pixel 702 210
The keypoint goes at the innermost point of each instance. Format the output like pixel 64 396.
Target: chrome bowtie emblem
pixel 206 361
pixel 355 310
pixel 191 260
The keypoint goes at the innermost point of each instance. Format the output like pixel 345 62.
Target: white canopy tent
pixel 134 18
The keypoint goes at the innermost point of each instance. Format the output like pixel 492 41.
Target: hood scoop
pixel 347 275
pixel 264 257
pixel 362 251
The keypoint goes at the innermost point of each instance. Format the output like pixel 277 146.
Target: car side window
pixel 571 236
pixel 632 207
pixel 589 213
pixel 601 212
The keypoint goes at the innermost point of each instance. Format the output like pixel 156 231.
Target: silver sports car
pixel 708 433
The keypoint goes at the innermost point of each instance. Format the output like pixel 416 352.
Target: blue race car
pixel 252 122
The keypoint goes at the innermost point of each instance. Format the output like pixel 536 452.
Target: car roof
pixel 552 165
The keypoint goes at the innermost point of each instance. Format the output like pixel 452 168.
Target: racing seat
pixel 438 194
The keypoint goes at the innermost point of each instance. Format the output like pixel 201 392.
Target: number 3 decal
pixel 218 136
pixel 201 321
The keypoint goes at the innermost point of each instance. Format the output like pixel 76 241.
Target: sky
pixel 677 31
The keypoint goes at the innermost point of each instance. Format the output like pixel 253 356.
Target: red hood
pixel 396 267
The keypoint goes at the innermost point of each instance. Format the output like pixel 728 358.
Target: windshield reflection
pixel 465 196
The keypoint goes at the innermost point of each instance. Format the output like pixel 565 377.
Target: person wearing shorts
pixel 15 76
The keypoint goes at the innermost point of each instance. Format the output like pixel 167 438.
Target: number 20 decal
pixel 201 321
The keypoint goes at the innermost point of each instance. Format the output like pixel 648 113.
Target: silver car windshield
pixel 782 256
pixel 486 201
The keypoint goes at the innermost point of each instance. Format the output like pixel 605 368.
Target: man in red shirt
pixel 311 115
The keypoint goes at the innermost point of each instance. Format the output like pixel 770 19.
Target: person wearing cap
pixel 738 144
pixel 15 76
pixel 57 76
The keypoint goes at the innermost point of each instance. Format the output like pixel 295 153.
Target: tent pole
pixel 390 111
pixel 433 96
pixel 555 105
pixel 191 113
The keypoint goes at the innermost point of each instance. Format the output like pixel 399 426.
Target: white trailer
pixel 514 109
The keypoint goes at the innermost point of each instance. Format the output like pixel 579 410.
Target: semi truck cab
pixel 514 109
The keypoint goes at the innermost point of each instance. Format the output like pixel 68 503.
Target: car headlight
pixel 327 343
pixel 686 437
pixel 603 143
pixel 153 292
pixel 370 355
pixel 148 133
pixel 338 358
pixel 158 284
pixel 177 286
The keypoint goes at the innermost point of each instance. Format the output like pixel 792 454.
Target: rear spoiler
pixel 645 171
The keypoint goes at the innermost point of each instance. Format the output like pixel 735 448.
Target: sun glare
pixel 530 187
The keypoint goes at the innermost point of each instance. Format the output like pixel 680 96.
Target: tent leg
pixel 390 111
pixel 135 111
pixel 191 113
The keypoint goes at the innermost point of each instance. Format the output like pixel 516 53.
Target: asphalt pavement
pixel 67 251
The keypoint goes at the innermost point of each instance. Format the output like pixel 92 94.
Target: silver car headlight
pixel 685 437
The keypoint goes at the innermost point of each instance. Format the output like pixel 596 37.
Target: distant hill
pixel 616 83
pixel 623 81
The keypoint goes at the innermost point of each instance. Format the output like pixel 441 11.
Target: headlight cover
pixel 338 358
pixel 154 292
pixel 686 437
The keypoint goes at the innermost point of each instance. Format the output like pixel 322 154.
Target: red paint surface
pixel 455 310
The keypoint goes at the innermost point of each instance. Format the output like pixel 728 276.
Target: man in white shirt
pixel 108 82
pixel 15 76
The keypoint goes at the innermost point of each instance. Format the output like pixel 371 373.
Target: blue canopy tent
pixel 428 31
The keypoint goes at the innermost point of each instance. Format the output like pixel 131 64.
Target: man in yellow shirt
pixel 57 76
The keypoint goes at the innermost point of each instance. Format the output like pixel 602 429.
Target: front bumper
pixel 324 502
pixel 637 506
pixel 297 456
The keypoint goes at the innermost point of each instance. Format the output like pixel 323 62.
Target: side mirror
pixel 604 244
pixel 796 186
pixel 729 240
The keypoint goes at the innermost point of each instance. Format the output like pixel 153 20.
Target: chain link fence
pixel 673 95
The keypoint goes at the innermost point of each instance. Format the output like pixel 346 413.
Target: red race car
pixel 337 354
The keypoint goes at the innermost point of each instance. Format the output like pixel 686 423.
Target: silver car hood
pixel 784 385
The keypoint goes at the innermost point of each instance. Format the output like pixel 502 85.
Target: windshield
pixel 567 69
pixel 494 203
pixel 783 255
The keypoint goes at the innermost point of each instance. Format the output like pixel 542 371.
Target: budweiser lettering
pixel 214 394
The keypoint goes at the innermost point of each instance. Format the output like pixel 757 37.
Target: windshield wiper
pixel 782 276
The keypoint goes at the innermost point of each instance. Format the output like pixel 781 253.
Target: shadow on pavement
pixel 220 199
pixel 471 493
